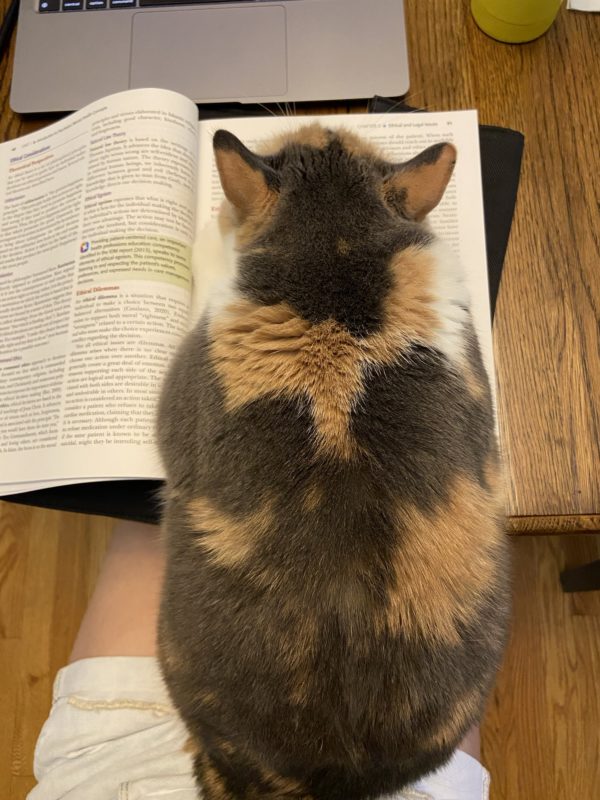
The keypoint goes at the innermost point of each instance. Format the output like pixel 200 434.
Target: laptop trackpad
pixel 211 53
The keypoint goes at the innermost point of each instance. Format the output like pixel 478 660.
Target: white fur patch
pixel 214 259
pixel 452 301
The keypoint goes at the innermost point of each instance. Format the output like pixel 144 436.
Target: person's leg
pixel 471 744
pixel 112 730
pixel 121 617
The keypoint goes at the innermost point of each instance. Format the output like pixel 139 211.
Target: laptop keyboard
pixel 47 6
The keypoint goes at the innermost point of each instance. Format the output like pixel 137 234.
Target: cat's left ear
pixel 417 186
pixel 247 180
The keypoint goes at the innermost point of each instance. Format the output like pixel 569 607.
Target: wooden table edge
pixel 553 524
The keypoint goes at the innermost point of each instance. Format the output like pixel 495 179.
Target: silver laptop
pixel 71 52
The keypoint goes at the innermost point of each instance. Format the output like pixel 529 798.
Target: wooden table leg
pixel 581 579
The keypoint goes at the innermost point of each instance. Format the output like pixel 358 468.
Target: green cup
pixel 514 21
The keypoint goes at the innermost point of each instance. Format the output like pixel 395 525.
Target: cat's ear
pixel 247 180
pixel 416 187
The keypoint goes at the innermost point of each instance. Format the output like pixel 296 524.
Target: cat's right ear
pixel 248 181
pixel 416 186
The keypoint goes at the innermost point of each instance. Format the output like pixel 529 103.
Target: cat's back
pixel 335 582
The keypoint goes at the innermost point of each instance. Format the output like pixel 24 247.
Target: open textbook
pixel 106 237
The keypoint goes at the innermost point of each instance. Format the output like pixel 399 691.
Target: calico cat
pixel 336 595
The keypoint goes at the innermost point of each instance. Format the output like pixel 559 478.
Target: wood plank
pixel 57 563
pixel 548 314
pixel 21 785
pixel 9 665
pixel 12 570
pixel 541 736
pixel 34 679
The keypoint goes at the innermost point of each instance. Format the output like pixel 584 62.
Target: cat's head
pixel 320 217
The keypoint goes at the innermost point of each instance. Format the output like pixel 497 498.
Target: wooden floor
pixel 541 738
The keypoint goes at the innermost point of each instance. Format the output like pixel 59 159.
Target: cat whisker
pixel 411 99
pixel 267 109
pixel 408 100
pixel 391 108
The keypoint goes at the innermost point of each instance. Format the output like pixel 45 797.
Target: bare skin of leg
pixel 123 611
pixel 471 744
pixel 122 615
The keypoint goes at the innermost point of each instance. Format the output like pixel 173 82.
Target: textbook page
pixel 458 218
pixel 97 216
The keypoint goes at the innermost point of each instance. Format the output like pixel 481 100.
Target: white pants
pixel 112 734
